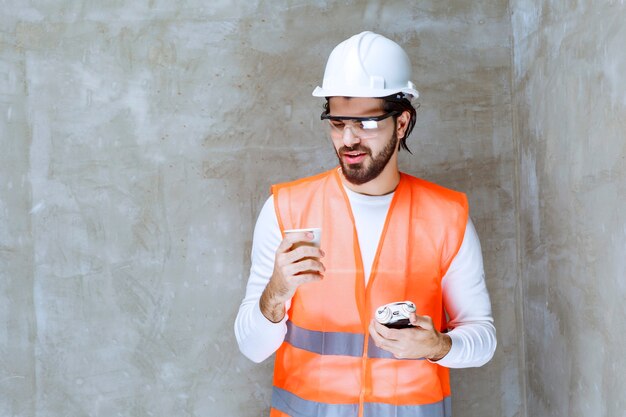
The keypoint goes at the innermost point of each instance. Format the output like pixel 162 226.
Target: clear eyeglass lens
pixel 369 124
pixel 361 128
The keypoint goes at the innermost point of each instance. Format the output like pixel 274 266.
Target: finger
pixel 294 237
pixel 386 332
pixel 425 322
pixel 376 337
pixel 304 251
pixel 306 278
pixel 305 265
pixel 374 330
pixel 289 240
pixel 386 344
pixel 310 265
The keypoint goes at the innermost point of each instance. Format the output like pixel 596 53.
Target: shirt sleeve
pixel 468 306
pixel 257 337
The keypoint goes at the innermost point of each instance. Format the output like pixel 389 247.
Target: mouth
pixel 354 157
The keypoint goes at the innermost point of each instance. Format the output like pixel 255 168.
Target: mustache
pixel 356 148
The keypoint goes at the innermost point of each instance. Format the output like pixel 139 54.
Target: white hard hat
pixel 367 65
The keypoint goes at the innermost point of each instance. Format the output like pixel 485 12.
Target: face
pixel 363 157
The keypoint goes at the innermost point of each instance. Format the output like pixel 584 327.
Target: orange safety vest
pixel 328 366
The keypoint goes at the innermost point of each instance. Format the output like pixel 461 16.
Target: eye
pixel 337 124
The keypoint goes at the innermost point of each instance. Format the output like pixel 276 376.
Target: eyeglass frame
pixel 362 132
pixel 326 116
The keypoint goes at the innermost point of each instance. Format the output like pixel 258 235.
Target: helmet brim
pixel 409 93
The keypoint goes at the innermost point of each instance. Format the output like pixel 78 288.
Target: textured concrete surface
pixel 569 122
pixel 138 140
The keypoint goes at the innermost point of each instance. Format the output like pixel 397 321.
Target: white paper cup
pixel 317 235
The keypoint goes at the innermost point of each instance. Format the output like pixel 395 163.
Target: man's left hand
pixel 421 341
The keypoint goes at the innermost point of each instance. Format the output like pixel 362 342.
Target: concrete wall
pixel 138 140
pixel 570 125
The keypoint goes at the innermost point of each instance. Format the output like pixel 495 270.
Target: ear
pixel 402 123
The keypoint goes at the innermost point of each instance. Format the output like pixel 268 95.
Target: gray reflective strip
pixel 438 409
pixel 295 406
pixel 325 343
pixel 374 351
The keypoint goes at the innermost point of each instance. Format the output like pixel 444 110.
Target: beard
pixel 371 167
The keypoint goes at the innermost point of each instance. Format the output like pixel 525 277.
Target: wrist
pixel 272 305
pixel 445 344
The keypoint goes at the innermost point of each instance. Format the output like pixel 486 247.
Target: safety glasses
pixel 362 127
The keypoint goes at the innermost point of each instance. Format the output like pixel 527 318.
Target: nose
pixel 349 138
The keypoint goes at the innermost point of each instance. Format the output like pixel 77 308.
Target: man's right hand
pixel 296 263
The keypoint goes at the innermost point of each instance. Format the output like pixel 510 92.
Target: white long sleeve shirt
pixel 465 295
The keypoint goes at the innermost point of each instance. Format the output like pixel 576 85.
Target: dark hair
pixel 394 102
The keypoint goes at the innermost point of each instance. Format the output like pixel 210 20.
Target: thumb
pixel 425 322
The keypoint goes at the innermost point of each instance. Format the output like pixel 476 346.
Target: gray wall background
pixel 138 141
pixel 569 88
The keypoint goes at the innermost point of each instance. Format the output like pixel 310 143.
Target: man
pixel 386 237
